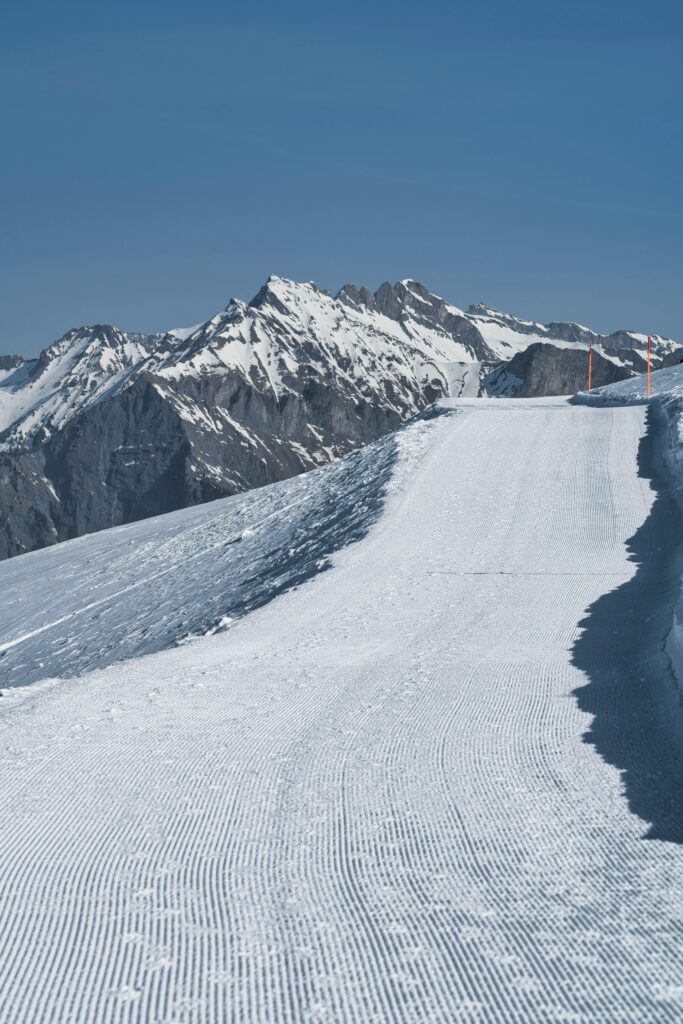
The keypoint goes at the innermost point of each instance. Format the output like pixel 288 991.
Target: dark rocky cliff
pixel 548 370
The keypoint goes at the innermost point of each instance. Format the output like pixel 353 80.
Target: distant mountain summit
pixel 108 426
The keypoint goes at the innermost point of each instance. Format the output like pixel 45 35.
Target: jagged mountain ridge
pixel 108 426
pixel 627 348
pixel 390 345
pixel 286 335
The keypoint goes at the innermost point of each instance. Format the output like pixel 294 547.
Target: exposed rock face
pixel 29 507
pixel 548 370
pixel 10 362
pixel 673 358
pixel 409 302
pixel 134 455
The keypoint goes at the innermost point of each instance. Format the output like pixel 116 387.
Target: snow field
pixel 369 799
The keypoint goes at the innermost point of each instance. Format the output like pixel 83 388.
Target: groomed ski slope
pixel 370 799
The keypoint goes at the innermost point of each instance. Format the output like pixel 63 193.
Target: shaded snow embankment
pixel 666 401
pixel 151 585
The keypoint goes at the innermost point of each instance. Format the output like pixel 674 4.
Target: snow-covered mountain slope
pixel 507 335
pixel 9 364
pixel 371 349
pixel 666 395
pixel 108 426
pixel 393 353
pixel 665 384
pixel 370 798
pixel 76 371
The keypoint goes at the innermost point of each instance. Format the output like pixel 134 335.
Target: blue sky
pixel 161 158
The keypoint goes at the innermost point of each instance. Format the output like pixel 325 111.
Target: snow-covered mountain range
pixel 108 426
pixel 396 346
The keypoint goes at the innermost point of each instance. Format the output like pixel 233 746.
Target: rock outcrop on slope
pixel 543 369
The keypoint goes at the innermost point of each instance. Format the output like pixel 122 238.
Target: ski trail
pixel 370 799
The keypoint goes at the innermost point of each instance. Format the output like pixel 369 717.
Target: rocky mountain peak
pixel 480 309
pixel 281 292
pixel 391 300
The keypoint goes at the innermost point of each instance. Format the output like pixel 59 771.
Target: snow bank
pixel 666 393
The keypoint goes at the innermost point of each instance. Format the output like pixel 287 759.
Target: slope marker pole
pixel 649 347
pixel 590 361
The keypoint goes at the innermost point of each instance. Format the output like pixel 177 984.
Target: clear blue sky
pixel 160 158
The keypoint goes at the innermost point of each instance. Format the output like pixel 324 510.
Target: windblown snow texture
pixel 369 799
pixel 153 585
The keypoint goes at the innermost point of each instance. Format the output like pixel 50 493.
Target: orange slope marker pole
pixel 649 347
pixel 590 361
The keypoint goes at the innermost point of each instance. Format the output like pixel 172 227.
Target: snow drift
pixel 666 399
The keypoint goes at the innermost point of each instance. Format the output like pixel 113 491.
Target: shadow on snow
pixel 631 693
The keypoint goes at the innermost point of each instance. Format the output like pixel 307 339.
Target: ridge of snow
pixel 183 333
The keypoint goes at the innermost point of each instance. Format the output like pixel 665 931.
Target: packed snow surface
pixel 369 799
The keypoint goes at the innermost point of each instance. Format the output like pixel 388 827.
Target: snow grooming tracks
pixel 167 580
pixel 368 801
